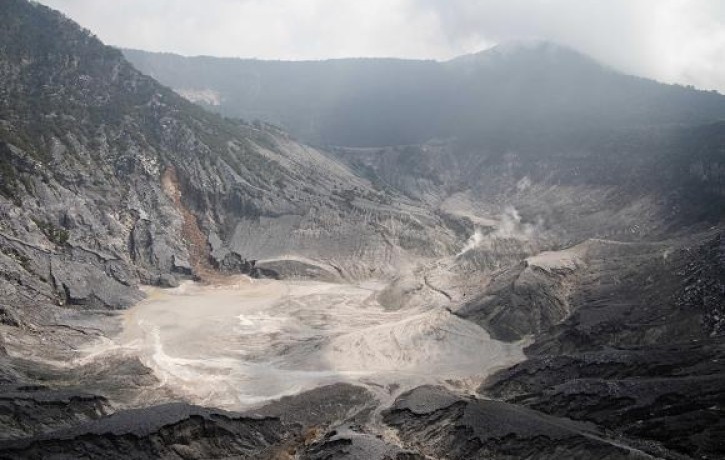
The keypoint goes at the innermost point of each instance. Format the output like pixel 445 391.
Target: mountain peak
pixel 527 49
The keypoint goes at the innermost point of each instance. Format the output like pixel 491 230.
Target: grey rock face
pixel 445 425
pixel 671 394
pixel 291 269
pixel 171 431
pixel 83 284
pixel 520 301
pixel 31 410
pixel 654 366
pixel 639 295
pixel 335 418
pixel 167 280
pixel 110 181
pixel 323 407
pixel 356 446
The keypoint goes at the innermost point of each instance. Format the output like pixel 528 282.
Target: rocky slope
pixel 444 425
pixel 610 261
pixel 608 258
pixel 640 353
pixel 170 431
pixel 110 179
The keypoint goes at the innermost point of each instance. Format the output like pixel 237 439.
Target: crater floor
pixel 243 343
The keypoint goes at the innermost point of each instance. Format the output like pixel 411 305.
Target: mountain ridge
pixel 373 103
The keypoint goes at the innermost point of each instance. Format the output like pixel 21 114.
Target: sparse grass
pixel 56 235
pixel 19 257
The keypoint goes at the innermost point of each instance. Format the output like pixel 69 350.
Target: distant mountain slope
pixel 374 102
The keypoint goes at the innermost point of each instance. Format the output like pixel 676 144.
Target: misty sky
pixel 679 41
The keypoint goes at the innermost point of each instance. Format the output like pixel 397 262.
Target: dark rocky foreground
pixel 444 425
pixel 670 394
pixel 169 431
pixel 333 422
pixel 74 425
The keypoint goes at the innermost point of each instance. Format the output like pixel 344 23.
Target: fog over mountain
pixel 673 41
pixel 519 86
pixel 512 253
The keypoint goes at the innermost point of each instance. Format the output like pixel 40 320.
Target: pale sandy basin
pixel 239 345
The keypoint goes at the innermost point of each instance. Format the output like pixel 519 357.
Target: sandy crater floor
pixel 241 344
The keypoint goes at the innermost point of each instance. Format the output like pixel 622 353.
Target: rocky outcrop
pixel 323 407
pixel 653 371
pixel 634 294
pixel 170 431
pixel 526 299
pixel 350 445
pixel 441 424
pixel 297 269
pixel 669 394
pixel 31 410
pixel 42 422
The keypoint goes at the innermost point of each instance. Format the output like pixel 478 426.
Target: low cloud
pixel 676 41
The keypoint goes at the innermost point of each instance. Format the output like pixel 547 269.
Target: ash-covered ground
pixel 246 342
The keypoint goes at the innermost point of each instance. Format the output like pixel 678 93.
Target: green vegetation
pixel 56 235
pixel 8 179
pixel 19 257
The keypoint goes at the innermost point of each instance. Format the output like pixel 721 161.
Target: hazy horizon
pixel 671 41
